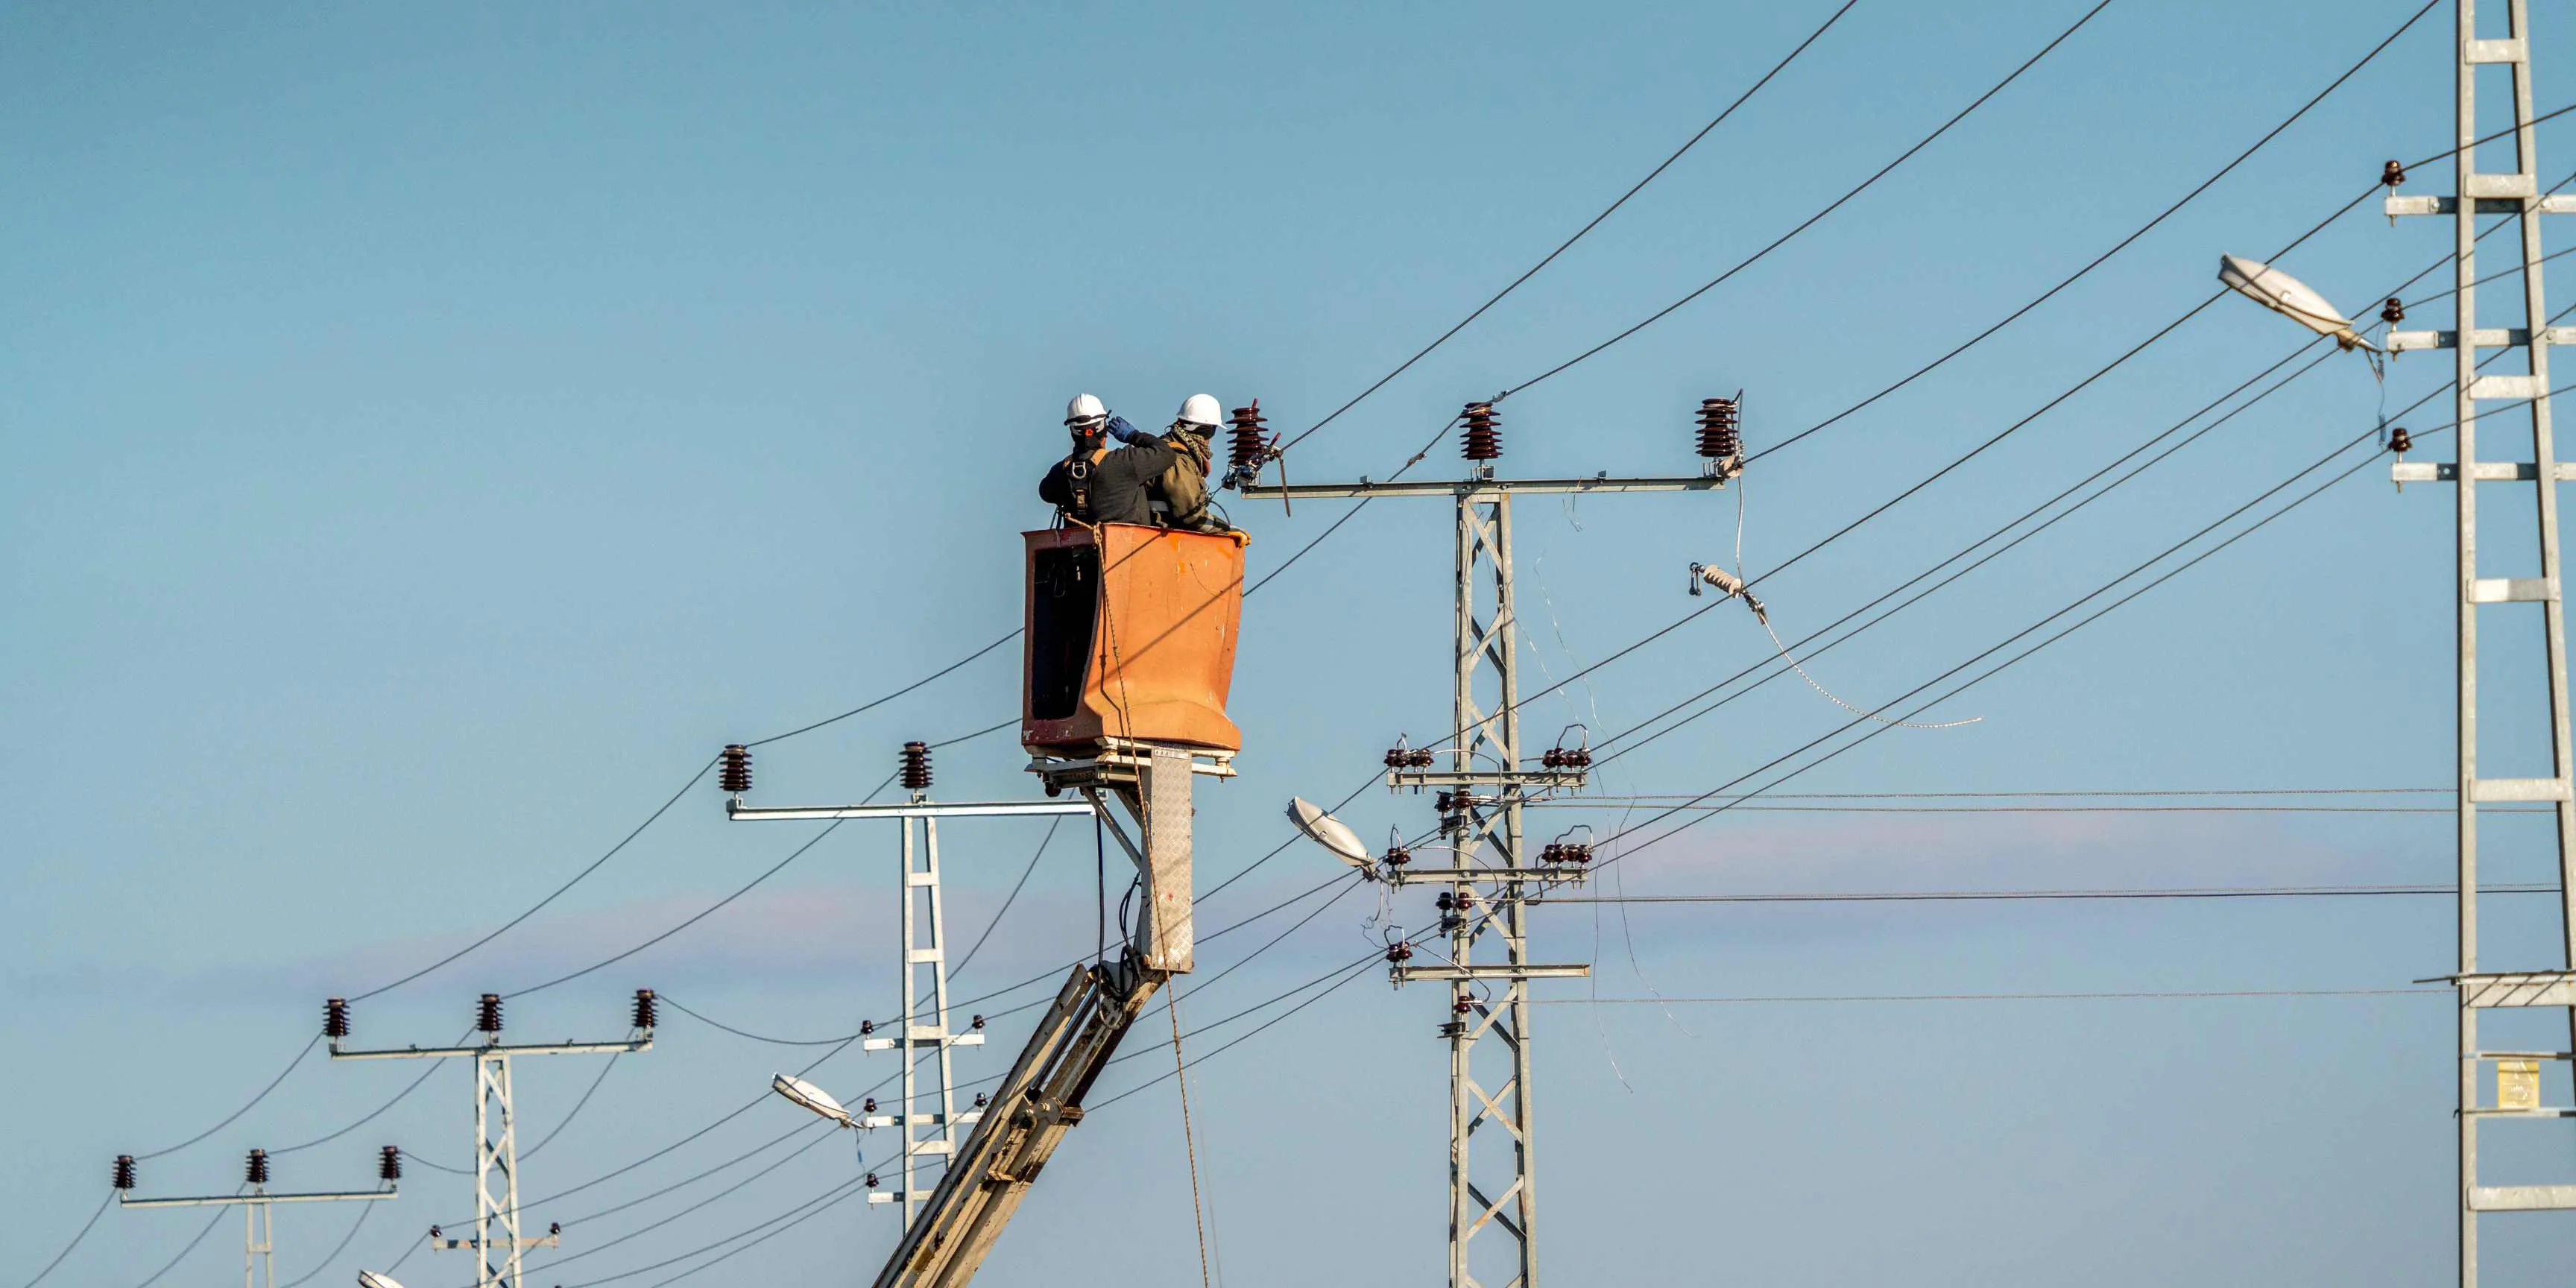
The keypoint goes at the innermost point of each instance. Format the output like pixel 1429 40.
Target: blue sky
pixel 425 437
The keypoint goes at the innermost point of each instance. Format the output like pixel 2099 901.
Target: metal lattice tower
pixel 926 1119
pixel 259 1221
pixel 2516 193
pixel 1492 1160
pixel 1493 1016
pixel 497 1237
pixel 924 951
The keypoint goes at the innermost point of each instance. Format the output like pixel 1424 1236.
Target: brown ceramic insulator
pixel 1249 447
pixel 2392 174
pixel 1720 433
pixel 124 1174
pixel 487 1013
pixel 735 778
pixel 916 767
pixel 1483 439
pixel 389 1163
pixel 335 1018
pixel 255 1171
pixel 646 1010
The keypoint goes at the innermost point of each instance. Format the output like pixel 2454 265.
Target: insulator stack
pixel 916 767
pixel 736 776
pixel 487 1014
pixel 1418 758
pixel 2400 442
pixel 976 1023
pixel 335 1018
pixel 389 1163
pixel 872 1180
pixel 1397 856
pixel 1461 1006
pixel 868 1106
pixel 867 1027
pixel 1552 852
pixel 554 1229
pixel 1398 953
pixel 1720 428
pixel 1566 758
pixel 124 1177
pixel 1483 440
pixel 2393 312
pixel 1396 757
pixel 646 1009
pixel 982 1100
pixel 1445 902
pixel 1250 449
pixel 2393 173
pixel 256 1170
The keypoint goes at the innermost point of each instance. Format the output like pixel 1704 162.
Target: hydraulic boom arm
pixel 1039 1102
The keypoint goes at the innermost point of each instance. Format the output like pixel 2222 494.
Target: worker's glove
pixel 1122 431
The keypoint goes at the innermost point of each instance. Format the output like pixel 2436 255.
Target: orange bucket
pixel 1131 634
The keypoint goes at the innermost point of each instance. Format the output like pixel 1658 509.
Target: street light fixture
pixel 1333 834
pixel 2291 298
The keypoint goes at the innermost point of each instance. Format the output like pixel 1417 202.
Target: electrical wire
pixel 2123 244
pixel 2005 896
pixel 1989 557
pixel 539 905
pixel 371 1116
pixel 1580 233
pixel 577 1105
pixel 334 1255
pixel 1812 220
pixel 1628 850
pixel 235 1116
pixel 76 1240
pixel 172 1263
pixel 2163 995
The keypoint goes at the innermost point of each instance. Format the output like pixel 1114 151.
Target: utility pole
pixel 1481 794
pixel 926 1118
pixel 259 1223
pixel 496 1137
pixel 2516 193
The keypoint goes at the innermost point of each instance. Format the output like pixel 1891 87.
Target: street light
pixel 370 1279
pixel 2290 297
pixel 1333 834
pixel 813 1098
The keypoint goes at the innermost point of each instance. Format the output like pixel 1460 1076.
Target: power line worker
pixel 1183 487
pixel 1095 484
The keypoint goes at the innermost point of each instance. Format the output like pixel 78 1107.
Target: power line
pixel 2160 995
pixel 235 1115
pixel 2123 244
pixel 576 1107
pixel 2088 597
pixel 76 1240
pixel 1811 220
pixel 334 1254
pixel 1989 557
pixel 1993 896
pixel 1579 233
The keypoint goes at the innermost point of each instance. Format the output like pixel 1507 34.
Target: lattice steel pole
pixel 497 1236
pixel 926 1120
pixel 259 1220
pixel 2516 193
pixel 1487 1024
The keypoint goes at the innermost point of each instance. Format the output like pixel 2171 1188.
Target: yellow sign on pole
pixel 2517 1084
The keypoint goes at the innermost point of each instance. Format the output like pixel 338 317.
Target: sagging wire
pixel 1732 585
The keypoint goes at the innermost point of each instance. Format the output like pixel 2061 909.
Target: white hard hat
pixel 1200 409
pixel 1084 408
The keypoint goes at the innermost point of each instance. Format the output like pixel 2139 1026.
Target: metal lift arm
pixel 1039 1102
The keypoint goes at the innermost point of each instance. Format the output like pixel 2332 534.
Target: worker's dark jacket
pixel 1115 487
